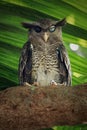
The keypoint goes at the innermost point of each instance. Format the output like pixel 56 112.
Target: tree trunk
pixel 33 108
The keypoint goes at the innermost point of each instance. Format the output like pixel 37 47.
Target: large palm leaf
pixel 13 36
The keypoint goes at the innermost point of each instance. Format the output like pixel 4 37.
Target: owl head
pixel 45 31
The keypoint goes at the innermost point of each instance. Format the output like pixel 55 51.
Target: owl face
pixel 45 31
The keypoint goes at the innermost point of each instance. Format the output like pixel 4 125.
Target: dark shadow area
pixel 8 77
pixel 6 83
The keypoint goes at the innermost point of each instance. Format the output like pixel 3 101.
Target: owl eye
pixel 37 29
pixel 52 28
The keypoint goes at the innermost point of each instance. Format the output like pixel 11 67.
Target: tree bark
pixel 33 108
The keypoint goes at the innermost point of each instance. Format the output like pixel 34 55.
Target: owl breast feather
pixel 45 68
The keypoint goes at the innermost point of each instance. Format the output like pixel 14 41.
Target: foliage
pixel 13 36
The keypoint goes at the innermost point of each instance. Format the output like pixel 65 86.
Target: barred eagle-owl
pixel 44 58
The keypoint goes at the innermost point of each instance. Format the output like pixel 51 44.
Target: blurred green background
pixel 13 36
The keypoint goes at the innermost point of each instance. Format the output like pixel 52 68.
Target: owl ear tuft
pixel 61 22
pixel 26 25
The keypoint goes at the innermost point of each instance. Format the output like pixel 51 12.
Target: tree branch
pixel 29 108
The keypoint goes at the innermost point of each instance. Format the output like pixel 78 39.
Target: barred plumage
pixel 44 57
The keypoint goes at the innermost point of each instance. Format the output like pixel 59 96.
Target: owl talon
pixel 36 84
pixel 53 83
pixel 27 84
pixel 63 84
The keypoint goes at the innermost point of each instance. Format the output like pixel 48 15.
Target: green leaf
pixel 13 36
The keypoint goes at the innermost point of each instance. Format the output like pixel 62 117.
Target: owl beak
pixel 45 36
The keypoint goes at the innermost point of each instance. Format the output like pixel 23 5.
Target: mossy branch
pixel 25 108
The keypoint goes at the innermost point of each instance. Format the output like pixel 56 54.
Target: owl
pixel 44 59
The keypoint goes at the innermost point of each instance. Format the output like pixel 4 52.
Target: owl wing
pixel 64 65
pixel 25 64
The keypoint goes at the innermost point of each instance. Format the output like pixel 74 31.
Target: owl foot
pixel 36 84
pixel 27 84
pixel 30 85
pixel 53 83
pixel 63 84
